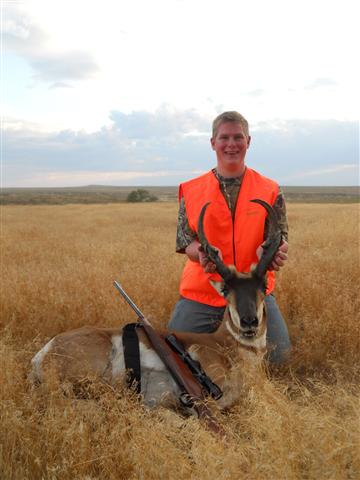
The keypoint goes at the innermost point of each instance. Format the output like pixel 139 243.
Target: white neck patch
pixel 257 343
pixel 232 332
pixel 234 316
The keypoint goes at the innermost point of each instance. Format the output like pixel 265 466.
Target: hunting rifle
pixel 192 391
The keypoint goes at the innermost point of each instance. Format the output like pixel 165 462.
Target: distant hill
pixel 322 194
pixel 112 194
pixel 86 194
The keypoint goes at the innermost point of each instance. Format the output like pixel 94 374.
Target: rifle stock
pixel 192 393
pixel 184 379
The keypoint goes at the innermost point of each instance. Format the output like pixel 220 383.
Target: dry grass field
pixel 58 265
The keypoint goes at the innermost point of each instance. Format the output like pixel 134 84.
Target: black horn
pixel 272 241
pixel 212 252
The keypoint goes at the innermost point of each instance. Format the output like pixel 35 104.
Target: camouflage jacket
pixel 230 188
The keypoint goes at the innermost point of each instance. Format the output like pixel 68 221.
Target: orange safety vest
pixel 237 240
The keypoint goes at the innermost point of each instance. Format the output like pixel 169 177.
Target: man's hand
pixel 207 265
pixel 279 258
pixel 196 253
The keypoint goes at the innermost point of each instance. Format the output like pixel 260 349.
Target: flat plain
pixel 58 265
pixel 108 194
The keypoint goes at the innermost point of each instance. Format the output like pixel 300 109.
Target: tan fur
pixel 88 352
pixel 97 352
pixel 79 353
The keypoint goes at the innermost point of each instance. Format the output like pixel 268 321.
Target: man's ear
pixel 219 287
pixel 248 141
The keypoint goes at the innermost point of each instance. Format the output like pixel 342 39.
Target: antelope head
pixel 245 292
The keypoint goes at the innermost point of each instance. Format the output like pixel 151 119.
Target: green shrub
pixel 141 195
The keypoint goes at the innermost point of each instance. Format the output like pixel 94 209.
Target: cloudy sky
pixel 124 92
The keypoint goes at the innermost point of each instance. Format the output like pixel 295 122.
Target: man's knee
pixel 191 316
pixel 178 320
pixel 279 353
pixel 278 340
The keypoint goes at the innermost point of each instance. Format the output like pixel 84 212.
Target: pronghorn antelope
pixel 241 336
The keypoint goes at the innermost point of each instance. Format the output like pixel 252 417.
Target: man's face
pixel 230 145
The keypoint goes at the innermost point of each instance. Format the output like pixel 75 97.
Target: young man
pixel 229 187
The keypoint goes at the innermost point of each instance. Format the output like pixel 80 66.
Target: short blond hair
pixel 234 117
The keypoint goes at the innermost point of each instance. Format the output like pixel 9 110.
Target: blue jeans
pixel 191 316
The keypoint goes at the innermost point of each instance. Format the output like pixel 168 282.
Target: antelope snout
pixel 249 322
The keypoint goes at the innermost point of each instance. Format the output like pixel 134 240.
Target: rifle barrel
pixel 130 302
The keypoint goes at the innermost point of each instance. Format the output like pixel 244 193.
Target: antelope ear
pixel 219 287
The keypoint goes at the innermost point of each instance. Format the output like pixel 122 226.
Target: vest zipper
pixel 233 232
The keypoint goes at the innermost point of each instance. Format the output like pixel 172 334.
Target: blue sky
pixel 125 93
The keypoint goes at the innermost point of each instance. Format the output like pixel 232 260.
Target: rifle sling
pixel 131 349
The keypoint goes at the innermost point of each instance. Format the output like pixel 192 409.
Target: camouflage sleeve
pixel 280 208
pixel 184 234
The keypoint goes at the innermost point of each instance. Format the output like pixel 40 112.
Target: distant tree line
pixel 141 195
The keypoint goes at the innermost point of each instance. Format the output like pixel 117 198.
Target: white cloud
pixel 20 34
pixel 334 169
pixel 15 30
pixel 78 178
pixel 149 149
pixel 327 172
pixel 164 70
pixel 51 67
pixel 24 37
pixel 137 55
pixel 165 121
pixel 321 83
pixel 60 85
pixel 258 92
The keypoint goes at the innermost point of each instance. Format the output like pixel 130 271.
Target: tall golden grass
pixel 58 265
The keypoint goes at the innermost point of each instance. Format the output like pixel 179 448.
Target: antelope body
pixel 241 337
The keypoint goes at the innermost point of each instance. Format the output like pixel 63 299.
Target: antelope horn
pixel 212 252
pixel 272 241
